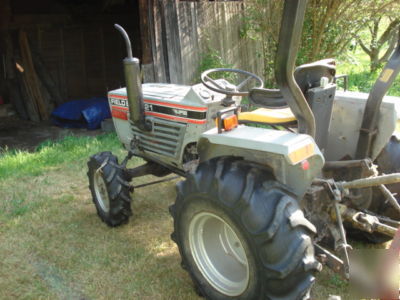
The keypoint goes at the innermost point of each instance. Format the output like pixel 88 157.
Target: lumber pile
pixel 30 87
pixel 32 90
pixel 24 78
pixel 36 102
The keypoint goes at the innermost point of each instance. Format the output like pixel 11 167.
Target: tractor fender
pixel 293 159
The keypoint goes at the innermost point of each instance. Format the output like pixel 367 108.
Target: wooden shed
pixel 53 51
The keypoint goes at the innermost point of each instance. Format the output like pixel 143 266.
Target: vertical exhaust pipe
pixel 289 41
pixel 133 85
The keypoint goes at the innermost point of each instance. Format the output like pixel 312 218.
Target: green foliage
pixel 380 39
pixel 212 59
pixel 329 29
pixel 15 163
pixel 261 22
pixel 356 65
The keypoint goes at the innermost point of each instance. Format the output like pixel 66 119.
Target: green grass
pixel 53 245
pixel 356 65
pixel 48 155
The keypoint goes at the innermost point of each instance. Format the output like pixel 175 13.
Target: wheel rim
pixel 100 190
pixel 219 254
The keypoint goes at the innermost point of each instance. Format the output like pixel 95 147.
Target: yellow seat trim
pixel 268 116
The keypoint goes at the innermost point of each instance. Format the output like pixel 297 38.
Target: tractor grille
pixel 164 139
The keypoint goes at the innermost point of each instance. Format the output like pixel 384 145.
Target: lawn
pixel 53 245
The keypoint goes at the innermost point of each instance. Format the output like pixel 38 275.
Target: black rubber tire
pixel 117 189
pixel 274 233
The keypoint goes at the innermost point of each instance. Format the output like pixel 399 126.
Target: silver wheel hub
pixel 219 254
pixel 100 190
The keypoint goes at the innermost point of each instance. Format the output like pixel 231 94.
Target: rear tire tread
pixel 296 266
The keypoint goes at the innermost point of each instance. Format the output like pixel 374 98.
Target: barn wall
pixel 84 59
pixel 65 49
pixel 194 28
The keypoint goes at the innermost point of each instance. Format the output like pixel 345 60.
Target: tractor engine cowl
pixel 134 93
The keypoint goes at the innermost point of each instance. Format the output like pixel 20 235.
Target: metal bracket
pixel 234 109
pixel 332 261
pixel 345 78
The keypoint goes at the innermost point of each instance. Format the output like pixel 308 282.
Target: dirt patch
pixel 27 135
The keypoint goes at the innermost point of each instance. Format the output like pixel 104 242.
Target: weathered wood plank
pixel 46 78
pixel 145 31
pixel 30 77
pixel 213 26
pixel 159 64
pixel 173 41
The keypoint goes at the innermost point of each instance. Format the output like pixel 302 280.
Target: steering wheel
pixel 225 87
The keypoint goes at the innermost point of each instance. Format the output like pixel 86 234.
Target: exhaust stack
pixel 133 84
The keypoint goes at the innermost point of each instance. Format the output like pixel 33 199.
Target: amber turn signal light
pixel 230 122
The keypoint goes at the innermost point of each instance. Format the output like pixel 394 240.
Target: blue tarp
pixel 86 113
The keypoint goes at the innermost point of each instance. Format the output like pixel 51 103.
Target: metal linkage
pixel 154 182
pixel 379 181
pixel 370 181
pixel 390 197
pixel 365 222
pixel 149 168
pixel 335 194
pixel 339 165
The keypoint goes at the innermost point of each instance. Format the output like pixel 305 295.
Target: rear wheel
pixel 242 235
pixel 109 188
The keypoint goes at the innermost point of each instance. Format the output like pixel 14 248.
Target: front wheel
pixel 110 189
pixel 241 235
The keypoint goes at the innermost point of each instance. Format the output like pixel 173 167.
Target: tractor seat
pixel 268 116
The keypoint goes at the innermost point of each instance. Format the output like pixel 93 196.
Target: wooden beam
pixel 171 38
pixel 45 77
pixel 31 78
pixel 145 36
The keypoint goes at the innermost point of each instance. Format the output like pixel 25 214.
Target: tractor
pixel 269 195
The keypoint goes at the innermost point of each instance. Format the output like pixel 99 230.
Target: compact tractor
pixel 269 195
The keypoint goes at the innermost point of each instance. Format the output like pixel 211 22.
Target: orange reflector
pixel 230 122
pixel 301 153
pixel 305 165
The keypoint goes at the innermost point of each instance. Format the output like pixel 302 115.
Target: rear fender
pixel 281 152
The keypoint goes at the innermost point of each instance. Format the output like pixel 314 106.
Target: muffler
pixel 133 85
